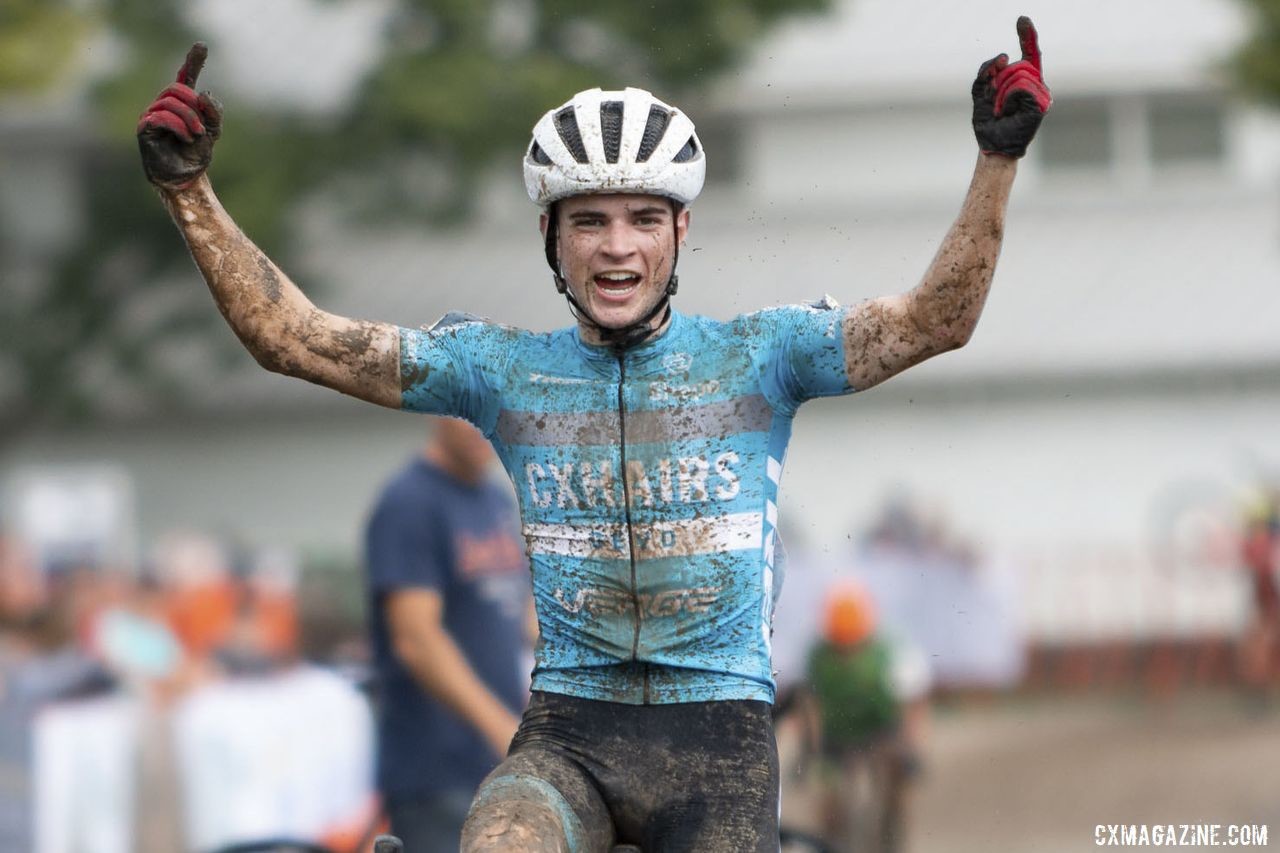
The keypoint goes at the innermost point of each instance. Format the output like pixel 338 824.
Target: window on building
pixel 1187 129
pixel 1134 136
pixel 1077 134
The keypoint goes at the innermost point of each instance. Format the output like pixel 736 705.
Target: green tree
pixel 459 82
pixel 38 41
pixel 1257 62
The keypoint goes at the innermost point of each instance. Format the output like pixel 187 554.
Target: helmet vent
pixel 567 126
pixel 654 129
pixel 688 152
pixel 537 155
pixel 611 129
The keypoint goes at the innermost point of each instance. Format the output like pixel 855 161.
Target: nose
pixel 618 241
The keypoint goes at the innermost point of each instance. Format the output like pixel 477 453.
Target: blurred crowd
pixel 171 707
pixel 168 708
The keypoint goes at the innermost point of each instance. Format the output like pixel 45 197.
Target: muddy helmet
pixel 614 142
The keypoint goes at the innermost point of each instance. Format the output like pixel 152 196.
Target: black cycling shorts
pixel 692 776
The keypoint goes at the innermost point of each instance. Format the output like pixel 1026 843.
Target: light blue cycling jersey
pixel 647 483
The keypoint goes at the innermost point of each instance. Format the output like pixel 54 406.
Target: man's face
pixel 616 252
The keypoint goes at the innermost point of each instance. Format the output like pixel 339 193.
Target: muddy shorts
pixel 692 776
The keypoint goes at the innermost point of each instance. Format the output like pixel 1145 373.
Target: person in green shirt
pixel 870 699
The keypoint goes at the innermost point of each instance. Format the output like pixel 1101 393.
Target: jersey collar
pixel 651 348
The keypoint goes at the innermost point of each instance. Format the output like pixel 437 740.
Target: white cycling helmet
pixel 614 142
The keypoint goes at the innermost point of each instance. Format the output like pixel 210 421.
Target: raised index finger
pixel 190 69
pixel 1029 40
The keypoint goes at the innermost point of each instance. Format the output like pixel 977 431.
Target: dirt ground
pixel 1039 775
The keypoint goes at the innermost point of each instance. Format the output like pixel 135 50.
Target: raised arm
pixel 885 336
pixel 270 315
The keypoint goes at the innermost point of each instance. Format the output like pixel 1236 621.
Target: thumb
pixel 194 64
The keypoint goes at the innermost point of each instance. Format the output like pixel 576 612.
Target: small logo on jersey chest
pixel 678 362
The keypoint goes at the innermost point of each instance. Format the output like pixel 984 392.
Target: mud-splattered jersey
pixel 647 484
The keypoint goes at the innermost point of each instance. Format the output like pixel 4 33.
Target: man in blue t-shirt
pixel 646 446
pixel 448 610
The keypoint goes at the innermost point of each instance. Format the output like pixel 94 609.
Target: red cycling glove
pixel 1009 101
pixel 176 133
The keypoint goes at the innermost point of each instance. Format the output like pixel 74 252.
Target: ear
pixel 682 226
pixel 543 221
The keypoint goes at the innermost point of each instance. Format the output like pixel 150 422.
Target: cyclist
pixel 871 694
pixel 645 445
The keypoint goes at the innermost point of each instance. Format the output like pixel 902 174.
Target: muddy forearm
pixel 274 320
pixel 250 291
pixel 885 336
pixel 945 306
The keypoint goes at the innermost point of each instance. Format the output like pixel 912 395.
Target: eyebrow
pixel 649 210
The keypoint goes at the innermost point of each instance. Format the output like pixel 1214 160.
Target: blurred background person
pixel 141 647
pixel 201 592
pixel 1260 552
pixel 39 662
pixel 21 595
pixel 450 610
pixel 871 697
pixel 105 775
pixel 933 587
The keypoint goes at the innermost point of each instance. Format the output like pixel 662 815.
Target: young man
pixel 645 446
pixel 448 589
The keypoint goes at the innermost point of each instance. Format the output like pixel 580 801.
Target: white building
pixel 1126 370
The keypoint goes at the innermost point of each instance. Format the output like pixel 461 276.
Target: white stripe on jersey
pixel 683 538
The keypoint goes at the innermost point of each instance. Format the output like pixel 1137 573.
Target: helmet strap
pixel 627 336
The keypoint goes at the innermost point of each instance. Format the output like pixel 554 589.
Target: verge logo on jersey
pixel 667 603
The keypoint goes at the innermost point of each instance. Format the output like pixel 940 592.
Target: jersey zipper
pixel 626 508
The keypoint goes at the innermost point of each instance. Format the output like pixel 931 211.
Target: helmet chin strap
pixel 627 336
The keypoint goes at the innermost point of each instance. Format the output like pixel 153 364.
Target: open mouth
pixel 616 286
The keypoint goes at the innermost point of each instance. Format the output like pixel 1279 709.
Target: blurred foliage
pixel 38 41
pixel 458 84
pixel 1257 63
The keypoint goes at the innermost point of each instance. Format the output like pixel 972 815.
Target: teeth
pixel 617 276
pixel 620 290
